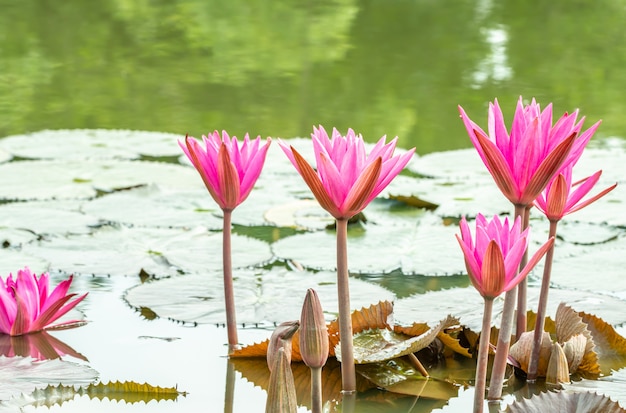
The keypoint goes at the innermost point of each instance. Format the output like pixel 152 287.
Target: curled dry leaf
pixel 558 370
pixel 522 348
pixel 569 324
pixel 574 350
pixel 378 345
pixel 565 403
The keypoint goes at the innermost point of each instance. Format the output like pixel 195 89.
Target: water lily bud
pixel 313 332
pixel 281 338
pixel 558 370
pixel 281 394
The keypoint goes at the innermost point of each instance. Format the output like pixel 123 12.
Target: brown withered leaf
pixel 377 345
pixel 568 324
pixel 414 201
pixel 564 402
pixel 374 316
pixel 611 346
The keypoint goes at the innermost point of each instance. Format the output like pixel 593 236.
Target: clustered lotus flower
pixel 27 304
pixel 532 166
pixel 492 259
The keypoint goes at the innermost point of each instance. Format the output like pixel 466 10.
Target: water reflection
pixel 395 68
pixel 40 346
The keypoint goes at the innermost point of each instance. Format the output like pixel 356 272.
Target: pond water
pixel 276 69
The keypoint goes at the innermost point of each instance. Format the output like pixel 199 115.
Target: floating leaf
pixel 421 247
pixel 91 144
pixel 379 345
pixel 46 218
pixel 159 251
pixel 467 305
pixel 24 375
pixel 262 296
pixel 414 201
pixel 130 392
pixel 73 179
pixel 613 386
pixel 372 317
pixel 565 403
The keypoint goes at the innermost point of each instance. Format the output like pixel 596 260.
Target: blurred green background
pixel 276 68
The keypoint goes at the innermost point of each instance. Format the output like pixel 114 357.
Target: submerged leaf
pixel 564 402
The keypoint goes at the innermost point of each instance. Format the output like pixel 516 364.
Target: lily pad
pixel 72 179
pixel 467 305
pixel 261 296
pixel 158 251
pixel 45 218
pixel 23 375
pixel 168 208
pixel 4 156
pixel 91 144
pixel 421 247
pixel 12 260
pixel 373 346
pixel 565 402
pixel 613 386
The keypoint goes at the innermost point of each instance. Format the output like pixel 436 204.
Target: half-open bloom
pixel 26 305
pixel 523 162
pixel 229 169
pixel 562 197
pixel 347 178
pixel 493 259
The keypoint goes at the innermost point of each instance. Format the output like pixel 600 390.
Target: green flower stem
pixel 504 337
pixel 541 309
pixel 348 375
pixel 316 390
pixel 483 358
pixel 522 288
pixel 229 296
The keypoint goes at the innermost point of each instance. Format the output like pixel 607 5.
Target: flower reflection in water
pixel 40 346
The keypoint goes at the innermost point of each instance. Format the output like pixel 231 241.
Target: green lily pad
pixel 4 156
pixel 158 251
pixel 414 247
pixel 613 386
pixel 23 375
pixel 13 260
pixel 91 144
pixel 168 208
pixel 261 296
pixel 72 179
pixel 46 218
pixel 467 305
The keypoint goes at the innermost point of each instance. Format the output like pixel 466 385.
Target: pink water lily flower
pixel 26 305
pixel 229 169
pixel 347 178
pixel 562 197
pixel 523 162
pixel 493 260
